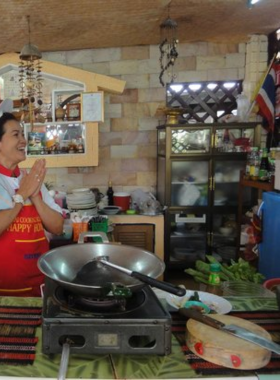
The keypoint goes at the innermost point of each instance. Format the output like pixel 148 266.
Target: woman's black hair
pixel 3 120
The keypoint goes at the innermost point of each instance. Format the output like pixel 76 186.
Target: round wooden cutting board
pixel 225 349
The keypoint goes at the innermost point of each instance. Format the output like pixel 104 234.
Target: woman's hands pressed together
pixel 31 182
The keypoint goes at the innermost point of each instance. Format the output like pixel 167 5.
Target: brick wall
pixel 127 148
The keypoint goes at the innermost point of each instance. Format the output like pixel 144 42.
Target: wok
pixel 62 265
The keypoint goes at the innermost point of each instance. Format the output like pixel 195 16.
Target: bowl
pixel 197 306
pixel 271 284
pixel 226 231
pixel 130 212
pixel 111 210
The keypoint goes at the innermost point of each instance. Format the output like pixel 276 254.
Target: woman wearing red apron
pixel 26 211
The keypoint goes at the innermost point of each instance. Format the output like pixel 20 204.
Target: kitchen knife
pixel 237 331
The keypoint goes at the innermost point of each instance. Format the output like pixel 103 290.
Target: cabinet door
pixel 55 139
pixel 190 141
pixel 233 139
pixel 224 235
pixel 189 183
pixel 186 237
pixel 136 235
pixel 161 180
pixel 226 181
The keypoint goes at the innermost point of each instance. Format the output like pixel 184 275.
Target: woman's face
pixel 12 145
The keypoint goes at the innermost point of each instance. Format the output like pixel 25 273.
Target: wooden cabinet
pixel 140 231
pixel 60 81
pixel 198 178
pixel 136 235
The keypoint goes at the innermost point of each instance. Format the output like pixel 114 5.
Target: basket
pixel 102 226
pixel 243 289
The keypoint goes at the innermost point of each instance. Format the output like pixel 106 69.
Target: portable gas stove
pixel 137 325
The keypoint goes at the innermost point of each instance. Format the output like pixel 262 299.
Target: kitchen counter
pixel 157 221
pixel 114 366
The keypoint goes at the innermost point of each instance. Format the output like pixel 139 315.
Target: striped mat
pixel 17 334
pixel 269 320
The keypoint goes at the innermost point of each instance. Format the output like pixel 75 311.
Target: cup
pixel 67 229
pixel 78 228
pixel 122 200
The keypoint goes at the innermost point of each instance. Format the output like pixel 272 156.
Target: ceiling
pixel 85 24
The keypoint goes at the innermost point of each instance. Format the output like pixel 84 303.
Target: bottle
pixel 248 162
pixel 264 167
pixel 271 159
pixel 226 140
pixel 214 281
pixel 254 164
pixel 243 105
pixel 110 194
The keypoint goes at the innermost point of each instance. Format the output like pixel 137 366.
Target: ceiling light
pixel 250 3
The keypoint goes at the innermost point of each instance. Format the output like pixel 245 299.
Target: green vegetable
pixel 203 267
pixel 198 276
pixel 239 270
pixel 202 280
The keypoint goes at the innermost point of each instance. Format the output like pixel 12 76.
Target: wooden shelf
pixel 266 186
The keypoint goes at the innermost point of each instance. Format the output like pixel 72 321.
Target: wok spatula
pixel 170 288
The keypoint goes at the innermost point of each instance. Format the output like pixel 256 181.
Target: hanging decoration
pixel 168 49
pixel 30 76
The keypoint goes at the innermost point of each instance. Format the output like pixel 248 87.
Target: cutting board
pixel 225 349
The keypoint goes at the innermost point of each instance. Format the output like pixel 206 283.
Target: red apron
pixel 20 247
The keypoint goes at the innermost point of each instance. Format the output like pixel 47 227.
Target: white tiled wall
pixel 127 148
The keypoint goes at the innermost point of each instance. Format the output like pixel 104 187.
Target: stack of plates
pixel 82 201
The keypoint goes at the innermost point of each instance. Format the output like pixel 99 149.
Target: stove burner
pixel 74 303
pixel 96 305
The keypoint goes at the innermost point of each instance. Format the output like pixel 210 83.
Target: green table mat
pixel 116 366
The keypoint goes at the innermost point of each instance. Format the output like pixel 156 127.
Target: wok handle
pixel 170 288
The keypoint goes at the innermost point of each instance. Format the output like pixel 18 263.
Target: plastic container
pixel 67 229
pixel 122 200
pixel 243 289
pixel 198 306
pixel 272 284
pixel 243 105
pixel 78 228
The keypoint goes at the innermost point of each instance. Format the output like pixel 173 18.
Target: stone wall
pixel 127 144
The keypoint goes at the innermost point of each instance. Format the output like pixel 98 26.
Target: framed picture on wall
pixel 92 106
pixel 73 111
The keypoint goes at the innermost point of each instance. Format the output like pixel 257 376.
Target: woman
pixel 26 209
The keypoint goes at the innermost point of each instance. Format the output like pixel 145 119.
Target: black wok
pixel 62 265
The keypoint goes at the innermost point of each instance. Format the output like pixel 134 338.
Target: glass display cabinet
pixel 198 179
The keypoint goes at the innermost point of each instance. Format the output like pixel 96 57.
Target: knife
pixel 237 331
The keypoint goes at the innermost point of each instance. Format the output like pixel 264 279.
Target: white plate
pixel 161 294
pixel 75 206
pixel 81 190
pixel 216 303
